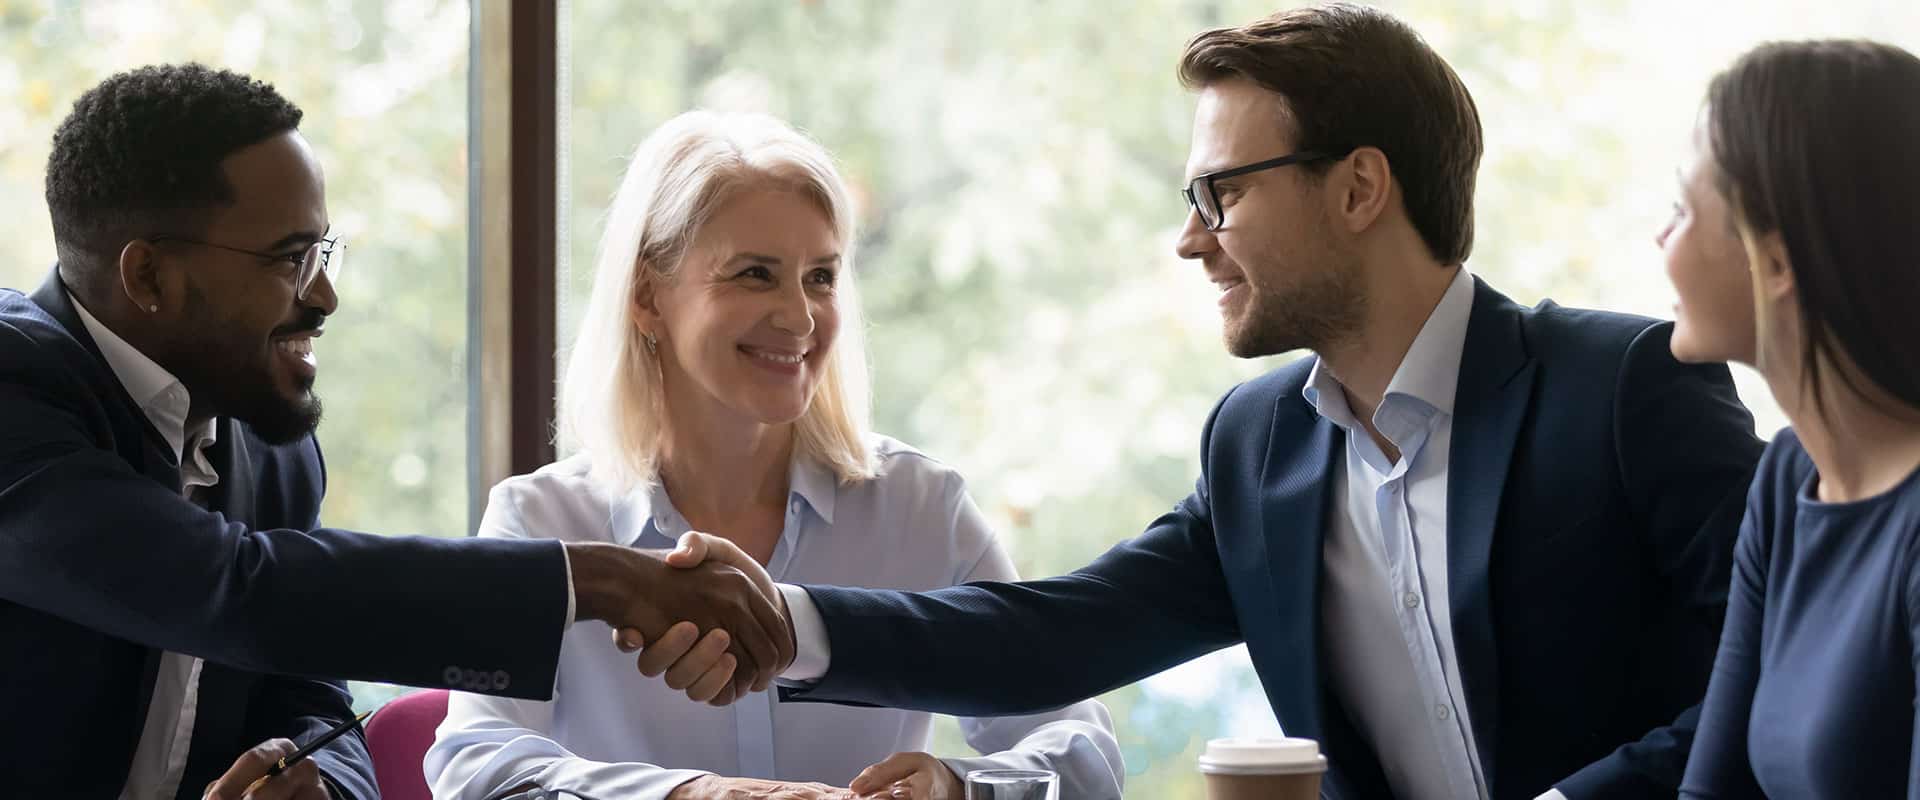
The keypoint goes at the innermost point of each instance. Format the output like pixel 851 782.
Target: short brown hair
pixel 1355 76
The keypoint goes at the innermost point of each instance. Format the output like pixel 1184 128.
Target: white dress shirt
pixel 1385 571
pixel 161 756
pixel 611 732
pixel 1383 593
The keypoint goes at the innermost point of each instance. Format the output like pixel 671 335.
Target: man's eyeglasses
pixel 324 255
pixel 1202 198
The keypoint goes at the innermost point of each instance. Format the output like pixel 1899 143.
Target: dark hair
pixel 141 154
pixel 1355 76
pixel 1820 141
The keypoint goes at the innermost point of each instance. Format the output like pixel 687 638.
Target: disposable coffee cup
pixel 1263 769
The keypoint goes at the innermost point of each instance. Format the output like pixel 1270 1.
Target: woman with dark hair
pixel 1795 248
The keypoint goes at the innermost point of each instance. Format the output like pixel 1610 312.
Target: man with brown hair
pixel 1475 549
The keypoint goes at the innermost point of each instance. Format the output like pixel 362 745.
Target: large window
pixel 1017 163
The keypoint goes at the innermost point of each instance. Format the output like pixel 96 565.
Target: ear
pixel 140 277
pixel 1772 269
pixel 646 307
pixel 1364 189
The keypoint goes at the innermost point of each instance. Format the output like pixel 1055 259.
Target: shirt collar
pixel 161 396
pixel 810 481
pixel 1430 371
pixel 647 508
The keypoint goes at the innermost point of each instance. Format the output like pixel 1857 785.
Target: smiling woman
pixel 718 384
pixel 741 286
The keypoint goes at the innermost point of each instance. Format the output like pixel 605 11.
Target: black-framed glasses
pixel 1204 201
pixel 326 255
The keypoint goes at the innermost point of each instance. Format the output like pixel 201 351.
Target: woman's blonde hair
pixel 611 400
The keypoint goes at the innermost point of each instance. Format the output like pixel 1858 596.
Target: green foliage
pixel 1018 165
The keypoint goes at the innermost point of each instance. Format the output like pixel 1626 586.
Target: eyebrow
pixel 297 237
pixel 738 257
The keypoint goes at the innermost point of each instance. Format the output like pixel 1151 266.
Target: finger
pixel 292 783
pixel 691 552
pixel 879 776
pixel 680 639
pixel 721 551
pixel 629 640
pixel 786 647
pixel 250 765
pixel 772 627
pixel 710 684
pixel 728 691
pixel 311 787
pixel 701 660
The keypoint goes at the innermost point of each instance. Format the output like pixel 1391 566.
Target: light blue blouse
pixel 612 732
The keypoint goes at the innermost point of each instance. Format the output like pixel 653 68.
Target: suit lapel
pixel 156 456
pixel 233 495
pixel 1496 385
pixel 1294 484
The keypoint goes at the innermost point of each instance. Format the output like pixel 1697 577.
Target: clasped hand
pixel 712 621
pixel 666 603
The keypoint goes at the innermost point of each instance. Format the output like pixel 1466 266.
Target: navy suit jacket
pixel 104 564
pixel 1594 493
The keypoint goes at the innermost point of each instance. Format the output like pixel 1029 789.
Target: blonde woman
pixel 719 384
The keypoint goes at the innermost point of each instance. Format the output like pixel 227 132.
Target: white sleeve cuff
pixel 1552 794
pixel 566 557
pixel 812 652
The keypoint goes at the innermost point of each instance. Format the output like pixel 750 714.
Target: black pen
pixel 307 750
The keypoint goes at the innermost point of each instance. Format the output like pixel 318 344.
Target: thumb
pixel 692 551
pixel 720 550
pixel 628 640
pixel 898 766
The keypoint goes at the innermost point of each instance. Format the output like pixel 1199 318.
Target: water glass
pixel 1012 784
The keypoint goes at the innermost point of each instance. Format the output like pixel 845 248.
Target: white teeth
pixel 296 347
pixel 780 358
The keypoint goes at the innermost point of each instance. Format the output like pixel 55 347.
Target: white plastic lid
pixel 1262 756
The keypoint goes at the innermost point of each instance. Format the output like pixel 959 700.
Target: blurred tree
pixel 1018 165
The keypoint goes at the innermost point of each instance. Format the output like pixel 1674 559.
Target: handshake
pixel 660 605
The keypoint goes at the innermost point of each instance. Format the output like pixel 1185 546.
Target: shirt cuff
pixel 566 557
pixel 811 651
pixel 1552 794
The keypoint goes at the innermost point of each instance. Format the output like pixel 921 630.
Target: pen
pixel 307 750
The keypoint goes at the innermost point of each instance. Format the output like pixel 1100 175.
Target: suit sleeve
pixel 1685 451
pixel 994 648
pixel 86 538
pixel 1717 768
pixel 302 709
pixel 487 746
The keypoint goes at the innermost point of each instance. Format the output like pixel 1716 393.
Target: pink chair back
pixel 398 736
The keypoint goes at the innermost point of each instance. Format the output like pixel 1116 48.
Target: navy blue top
pixel 1813 692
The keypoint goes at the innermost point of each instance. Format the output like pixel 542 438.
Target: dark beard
pixel 1314 314
pixel 278 422
pixel 214 364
